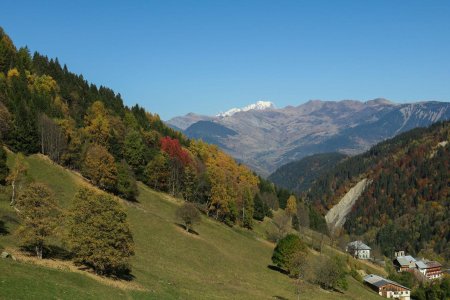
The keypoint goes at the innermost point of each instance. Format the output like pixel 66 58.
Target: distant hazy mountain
pixel 266 138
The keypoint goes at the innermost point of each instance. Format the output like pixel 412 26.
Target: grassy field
pixel 218 263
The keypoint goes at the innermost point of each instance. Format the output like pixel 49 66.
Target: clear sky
pixel 174 57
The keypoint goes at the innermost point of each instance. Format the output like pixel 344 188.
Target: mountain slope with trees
pixel 221 262
pixel 298 176
pixel 47 109
pixel 407 204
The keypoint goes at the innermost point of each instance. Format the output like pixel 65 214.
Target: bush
pixel 189 215
pixel 330 273
pixel 356 275
pixel 126 183
pixel 99 235
pixel 39 213
pixel 285 250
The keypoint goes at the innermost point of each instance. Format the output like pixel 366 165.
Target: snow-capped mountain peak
pixel 260 105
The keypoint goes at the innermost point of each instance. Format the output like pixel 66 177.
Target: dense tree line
pixel 298 176
pixel 406 206
pixel 48 109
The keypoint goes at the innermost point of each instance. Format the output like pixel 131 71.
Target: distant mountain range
pixel 265 138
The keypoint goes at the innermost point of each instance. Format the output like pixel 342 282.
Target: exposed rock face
pixel 336 216
pixel 268 138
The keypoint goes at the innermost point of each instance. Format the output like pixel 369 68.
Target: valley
pixel 106 195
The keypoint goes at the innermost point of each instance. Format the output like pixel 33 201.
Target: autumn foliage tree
pixel 98 233
pixel 291 206
pixel 231 186
pixel 178 159
pixel 99 166
pixel 46 108
pixel 157 172
pixel 39 214
pixel 97 125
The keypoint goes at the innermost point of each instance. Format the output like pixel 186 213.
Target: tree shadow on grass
pixel 50 252
pixel 57 252
pixel 3 229
pixel 124 274
pixel 278 269
pixel 184 228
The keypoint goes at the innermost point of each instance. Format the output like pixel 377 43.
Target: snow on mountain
pixel 260 105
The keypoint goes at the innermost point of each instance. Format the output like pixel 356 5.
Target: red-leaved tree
pixel 179 159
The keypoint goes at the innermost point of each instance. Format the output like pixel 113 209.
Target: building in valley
pixel 358 249
pixel 430 269
pixel 404 263
pixel 387 288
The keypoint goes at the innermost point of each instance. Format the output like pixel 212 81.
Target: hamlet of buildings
pixel 429 269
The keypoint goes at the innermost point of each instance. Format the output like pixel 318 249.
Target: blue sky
pixel 174 57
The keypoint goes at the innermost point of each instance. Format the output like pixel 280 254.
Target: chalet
pixel 405 263
pixel 358 249
pixel 430 269
pixel 387 288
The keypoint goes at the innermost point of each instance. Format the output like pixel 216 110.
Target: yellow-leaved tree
pixel 97 124
pixel 99 166
pixel 291 206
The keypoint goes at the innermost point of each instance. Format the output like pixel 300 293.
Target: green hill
pixel 219 263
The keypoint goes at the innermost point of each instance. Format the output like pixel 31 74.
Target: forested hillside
pixel 407 204
pixel 298 176
pixel 48 109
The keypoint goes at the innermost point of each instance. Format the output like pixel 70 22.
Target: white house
pixel 358 249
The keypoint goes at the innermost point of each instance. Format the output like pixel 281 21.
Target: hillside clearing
pixel 220 263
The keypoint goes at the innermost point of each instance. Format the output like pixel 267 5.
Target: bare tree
pixel 282 226
pixel 303 218
pixel 299 264
pixel 53 140
pixel 271 200
pixel 16 176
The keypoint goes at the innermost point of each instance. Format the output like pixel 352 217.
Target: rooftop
pixel 379 281
pixel 358 245
pixel 405 260
pixel 423 264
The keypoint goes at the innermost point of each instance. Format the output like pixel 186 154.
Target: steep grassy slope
pixel 219 263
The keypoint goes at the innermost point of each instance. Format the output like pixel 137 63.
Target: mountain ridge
pixel 268 139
